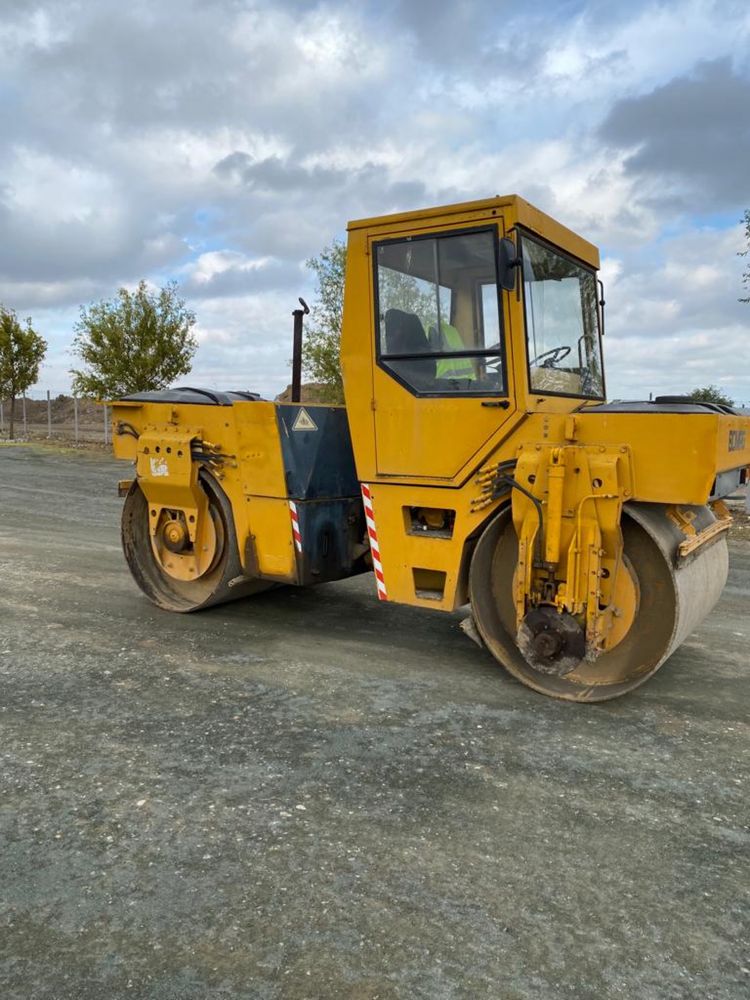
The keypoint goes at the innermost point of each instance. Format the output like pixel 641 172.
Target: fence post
pixel 49 416
pixel 2 418
pixel 23 406
pixel 106 426
pixel 75 418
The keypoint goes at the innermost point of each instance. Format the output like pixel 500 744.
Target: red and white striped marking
pixel 372 531
pixel 295 526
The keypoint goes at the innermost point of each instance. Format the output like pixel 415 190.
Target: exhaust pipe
pixel 297 351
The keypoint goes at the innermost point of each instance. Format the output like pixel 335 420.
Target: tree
pixel 137 341
pixel 321 349
pixel 710 394
pixel 22 350
pixel 744 253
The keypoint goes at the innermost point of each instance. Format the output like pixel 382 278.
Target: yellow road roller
pixel 476 461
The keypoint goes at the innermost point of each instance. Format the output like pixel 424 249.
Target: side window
pixel 438 322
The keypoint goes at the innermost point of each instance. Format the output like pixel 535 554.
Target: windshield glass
pixel 562 323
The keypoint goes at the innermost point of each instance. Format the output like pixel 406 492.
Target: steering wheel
pixel 555 354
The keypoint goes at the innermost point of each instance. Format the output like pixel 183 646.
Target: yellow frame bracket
pixel 696 540
pixel 578 564
pixel 168 477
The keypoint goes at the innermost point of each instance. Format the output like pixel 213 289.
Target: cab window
pixel 438 313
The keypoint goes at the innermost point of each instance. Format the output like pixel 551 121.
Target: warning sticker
pixel 303 421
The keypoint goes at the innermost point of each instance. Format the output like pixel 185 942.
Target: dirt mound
pixel 62 411
pixel 311 392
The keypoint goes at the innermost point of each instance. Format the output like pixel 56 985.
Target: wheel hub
pixel 551 642
pixel 181 552
pixel 547 644
pixel 175 535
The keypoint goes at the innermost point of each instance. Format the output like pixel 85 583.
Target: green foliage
pixel 745 252
pixel 321 347
pixel 321 350
pixel 135 342
pixel 401 291
pixel 710 394
pixel 22 351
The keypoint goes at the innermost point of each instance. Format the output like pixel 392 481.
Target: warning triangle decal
pixel 303 421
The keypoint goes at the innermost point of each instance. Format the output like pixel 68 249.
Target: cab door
pixel 440 382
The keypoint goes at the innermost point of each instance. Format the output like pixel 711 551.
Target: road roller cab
pixel 476 461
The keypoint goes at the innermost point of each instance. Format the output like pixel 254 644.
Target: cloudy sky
pixel 222 142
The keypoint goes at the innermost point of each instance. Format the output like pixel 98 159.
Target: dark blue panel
pixel 332 532
pixel 319 462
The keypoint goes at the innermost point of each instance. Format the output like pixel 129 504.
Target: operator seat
pixel 404 334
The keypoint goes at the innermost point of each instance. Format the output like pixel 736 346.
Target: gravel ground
pixel 311 795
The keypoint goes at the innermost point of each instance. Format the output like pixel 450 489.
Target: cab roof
pixel 514 209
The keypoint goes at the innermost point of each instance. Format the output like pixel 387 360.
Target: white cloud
pixel 675 324
pixel 44 186
pixel 245 343
pixel 206 267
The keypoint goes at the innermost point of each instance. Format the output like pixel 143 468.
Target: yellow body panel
pixel 271 553
pixel 645 440
pixel 676 456
pixel 259 451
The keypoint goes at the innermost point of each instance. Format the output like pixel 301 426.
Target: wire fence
pixel 42 415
